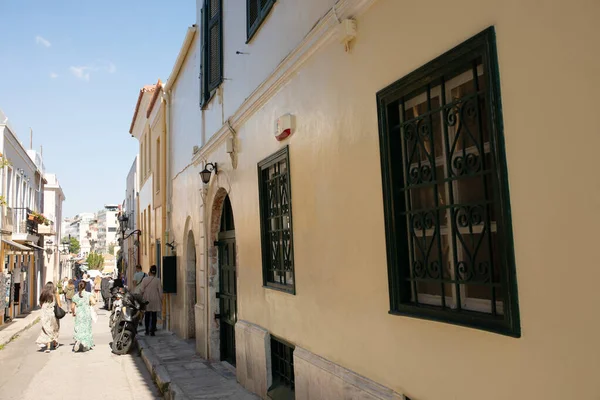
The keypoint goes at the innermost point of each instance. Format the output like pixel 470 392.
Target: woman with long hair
pixel 82 311
pixel 48 337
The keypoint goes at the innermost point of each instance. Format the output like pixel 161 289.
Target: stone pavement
pixel 181 374
pixel 18 325
pixel 28 374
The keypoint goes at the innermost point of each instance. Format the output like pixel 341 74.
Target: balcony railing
pixel 7 219
pixel 22 223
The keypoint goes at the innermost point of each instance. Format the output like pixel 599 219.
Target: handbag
pixel 58 311
pixel 93 314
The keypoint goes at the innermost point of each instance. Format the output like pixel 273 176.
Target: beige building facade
pixel 408 238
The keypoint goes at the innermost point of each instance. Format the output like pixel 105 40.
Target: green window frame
pixel 256 12
pixel 448 224
pixel 212 49
pixel 275 199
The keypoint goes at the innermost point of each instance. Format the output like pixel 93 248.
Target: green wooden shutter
pixel 256 12
pixel 212 48
pixel 203 57
pixel 214 28
pixel 252 11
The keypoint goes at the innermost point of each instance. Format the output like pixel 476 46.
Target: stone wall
pixel 253 357
pixel 319 379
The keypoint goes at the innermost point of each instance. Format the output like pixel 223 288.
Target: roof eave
pixel 185 48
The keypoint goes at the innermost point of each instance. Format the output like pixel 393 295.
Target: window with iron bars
pixel 447 207
pixel 276 221
pixel 282 367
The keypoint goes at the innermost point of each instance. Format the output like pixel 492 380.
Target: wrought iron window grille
pixel 276 221
pixel 282 367
pixel 446 200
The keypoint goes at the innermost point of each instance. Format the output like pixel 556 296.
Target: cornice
pixel 320 35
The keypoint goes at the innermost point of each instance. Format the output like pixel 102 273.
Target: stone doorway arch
pixel 191 297
pixel 220 201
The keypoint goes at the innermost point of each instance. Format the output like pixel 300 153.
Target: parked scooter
pixel 124 329
pixel 116 303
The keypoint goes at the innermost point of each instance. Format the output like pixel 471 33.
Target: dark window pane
pixel 277 223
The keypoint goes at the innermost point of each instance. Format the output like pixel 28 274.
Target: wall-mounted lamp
pixel 205 173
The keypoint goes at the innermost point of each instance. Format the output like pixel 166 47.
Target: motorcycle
pixel 124 329
pixel 116 304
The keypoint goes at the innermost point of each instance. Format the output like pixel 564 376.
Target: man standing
pixel 138 276
pixel 105 291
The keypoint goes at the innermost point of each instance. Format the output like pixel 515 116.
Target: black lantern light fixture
pixel 124 222
pixel 208 169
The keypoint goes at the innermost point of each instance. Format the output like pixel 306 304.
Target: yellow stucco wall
pixel 549 77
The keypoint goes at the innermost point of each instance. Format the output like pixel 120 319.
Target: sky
pixel 71 70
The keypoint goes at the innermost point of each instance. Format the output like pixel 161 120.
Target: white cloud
pixel 53 75
pixel 84 72
pixel 81 73
pixel 42 41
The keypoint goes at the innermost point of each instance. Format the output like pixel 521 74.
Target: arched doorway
pixel 227 283
pixel 190 285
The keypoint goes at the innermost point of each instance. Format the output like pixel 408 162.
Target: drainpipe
pixel 167 99
pixel 206 274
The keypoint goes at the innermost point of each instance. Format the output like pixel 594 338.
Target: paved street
pixel 28 374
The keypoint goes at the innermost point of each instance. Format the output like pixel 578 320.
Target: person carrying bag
pixel 151 290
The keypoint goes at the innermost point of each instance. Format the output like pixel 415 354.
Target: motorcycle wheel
pixel 123 343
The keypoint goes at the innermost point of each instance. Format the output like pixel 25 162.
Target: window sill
pixel 281 288
pixel 469 319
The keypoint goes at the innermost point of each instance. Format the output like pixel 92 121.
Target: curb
pixel 4 342
pixel 159 373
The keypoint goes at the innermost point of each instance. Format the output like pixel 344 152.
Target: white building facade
pixel 131 245
pixel 22 272
pixel 53 202
pixel 84 228
pixel 107 228
pixel 141 129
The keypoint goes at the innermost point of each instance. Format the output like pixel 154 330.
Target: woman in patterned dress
pixel 82 311
pixel 48 337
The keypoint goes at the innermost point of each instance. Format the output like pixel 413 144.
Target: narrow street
pixel 29 374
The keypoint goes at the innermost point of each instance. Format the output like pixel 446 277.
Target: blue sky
pixel 72 70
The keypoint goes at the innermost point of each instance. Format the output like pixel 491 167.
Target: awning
pixel 15 245
pixel 35 246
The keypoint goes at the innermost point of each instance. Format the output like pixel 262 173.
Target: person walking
pixel 69 293
pixel 138 276
pixel 65 282
pixel 82 311
pixel 97 281
pixel 48 337
pixel 88 283
pixel 105 291
pixel 151 290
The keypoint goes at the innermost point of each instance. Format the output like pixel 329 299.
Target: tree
pixel 73 245
pixel 111 249
pixel 95 261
